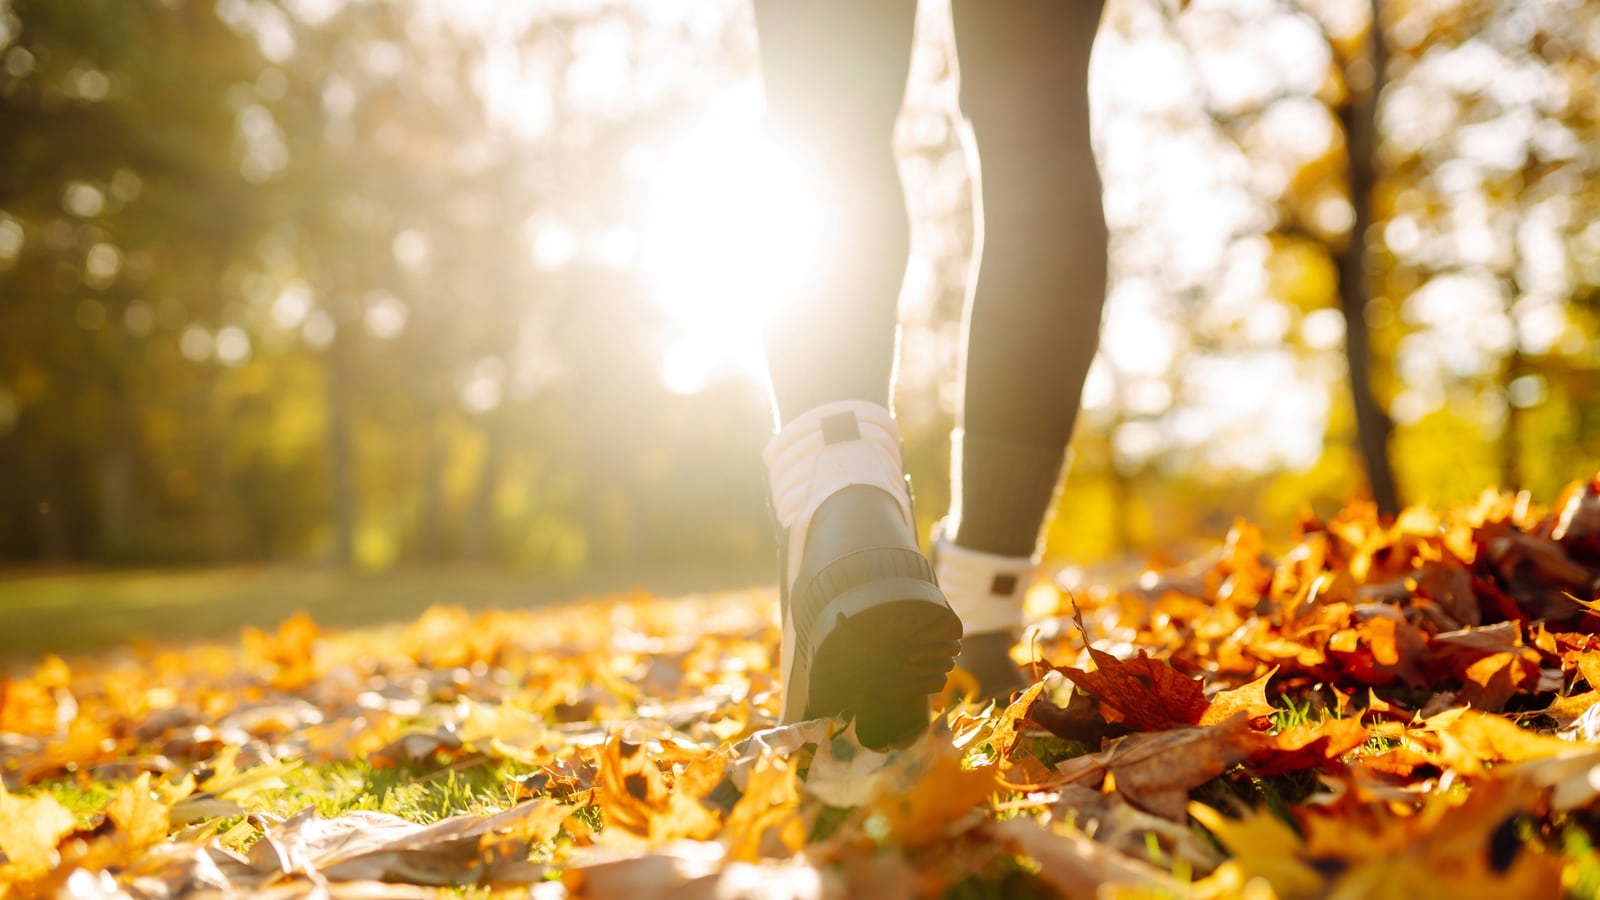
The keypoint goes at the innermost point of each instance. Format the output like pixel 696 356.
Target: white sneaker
pixel 866 631
pixel 987 592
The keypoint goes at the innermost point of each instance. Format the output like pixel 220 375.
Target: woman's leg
pixel 835 75
pixel 866 632
pixel 1033 317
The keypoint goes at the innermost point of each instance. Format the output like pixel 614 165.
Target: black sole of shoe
pixel 881 650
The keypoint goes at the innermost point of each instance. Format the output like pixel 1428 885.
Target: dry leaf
pixel 1250 699
pixel 1306 746
pixel 1156 771
pixel 1077 866
pixel 942 798
pixel 765 822
pixel 30 829
pixel 640 800
pixel 1146 693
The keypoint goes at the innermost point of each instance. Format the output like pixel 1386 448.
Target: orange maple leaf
pixel 1250 699
pixel 1306 746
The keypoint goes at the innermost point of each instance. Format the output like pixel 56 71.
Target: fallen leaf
pixel 1263 847
pixel 1468 740
pixel 30 829
pixel 765 821
pixel 845 774
pixel 1123 827
pixel 1250 699
pixel 1156 771
pixel 1493 680
pixel 1078 866
pixel 640 799
pixel 1146 693
pixel 1306 746
pixel 939 798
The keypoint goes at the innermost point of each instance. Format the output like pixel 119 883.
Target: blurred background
pixel 364 304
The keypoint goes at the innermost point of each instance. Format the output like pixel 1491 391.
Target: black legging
pixel 835 74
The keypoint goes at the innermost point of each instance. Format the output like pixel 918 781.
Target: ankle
pixel 986 590
pixel 841 462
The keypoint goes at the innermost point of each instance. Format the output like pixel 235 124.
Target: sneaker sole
pixel 882 649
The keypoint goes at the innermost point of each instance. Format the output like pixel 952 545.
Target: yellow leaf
pixel 943 795
pixel 139 814
pixel 642 802
pixel 139 819
pixel 768 806
pixel 1262 847
pixel 1472 738
pixel 30 829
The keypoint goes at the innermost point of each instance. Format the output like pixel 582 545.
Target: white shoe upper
pixel 825 450
pixel 816 455
pixel 984 589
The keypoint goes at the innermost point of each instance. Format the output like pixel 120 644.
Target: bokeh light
pixel 478 281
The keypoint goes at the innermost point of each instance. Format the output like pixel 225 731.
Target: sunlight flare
pixel 734 226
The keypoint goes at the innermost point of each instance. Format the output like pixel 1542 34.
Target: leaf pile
pixel 1403 709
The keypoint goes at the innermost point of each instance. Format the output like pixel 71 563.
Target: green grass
pixel 1050 750
pixel 85 798
pixel 411 794
pixel 78 611
pixel 337 788
pixel 1583 863
pixel 1297 711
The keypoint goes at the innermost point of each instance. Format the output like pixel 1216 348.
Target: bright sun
pixel 733 225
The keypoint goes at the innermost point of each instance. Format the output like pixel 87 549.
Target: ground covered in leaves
pixel 1385 709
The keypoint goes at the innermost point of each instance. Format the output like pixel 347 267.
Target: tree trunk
pixel 430 515
pixel 478 526
pixel 341 469
pixel 117 492
pixel 1359 118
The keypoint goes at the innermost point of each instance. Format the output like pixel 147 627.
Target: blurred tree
pixel 361 281
pixel 1363 75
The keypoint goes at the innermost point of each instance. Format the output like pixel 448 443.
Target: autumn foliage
pixel 1383 709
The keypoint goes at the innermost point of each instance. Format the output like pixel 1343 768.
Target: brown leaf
pixel 1079 720
pixel 1587 664
pixel 1450 586
pixel 1155 771
pixel 1008 726
pixel 1400 762
pixel 1146 693
pixel 1570 710
pixel 1493 680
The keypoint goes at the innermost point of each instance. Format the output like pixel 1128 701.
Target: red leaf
pixel 1147 694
